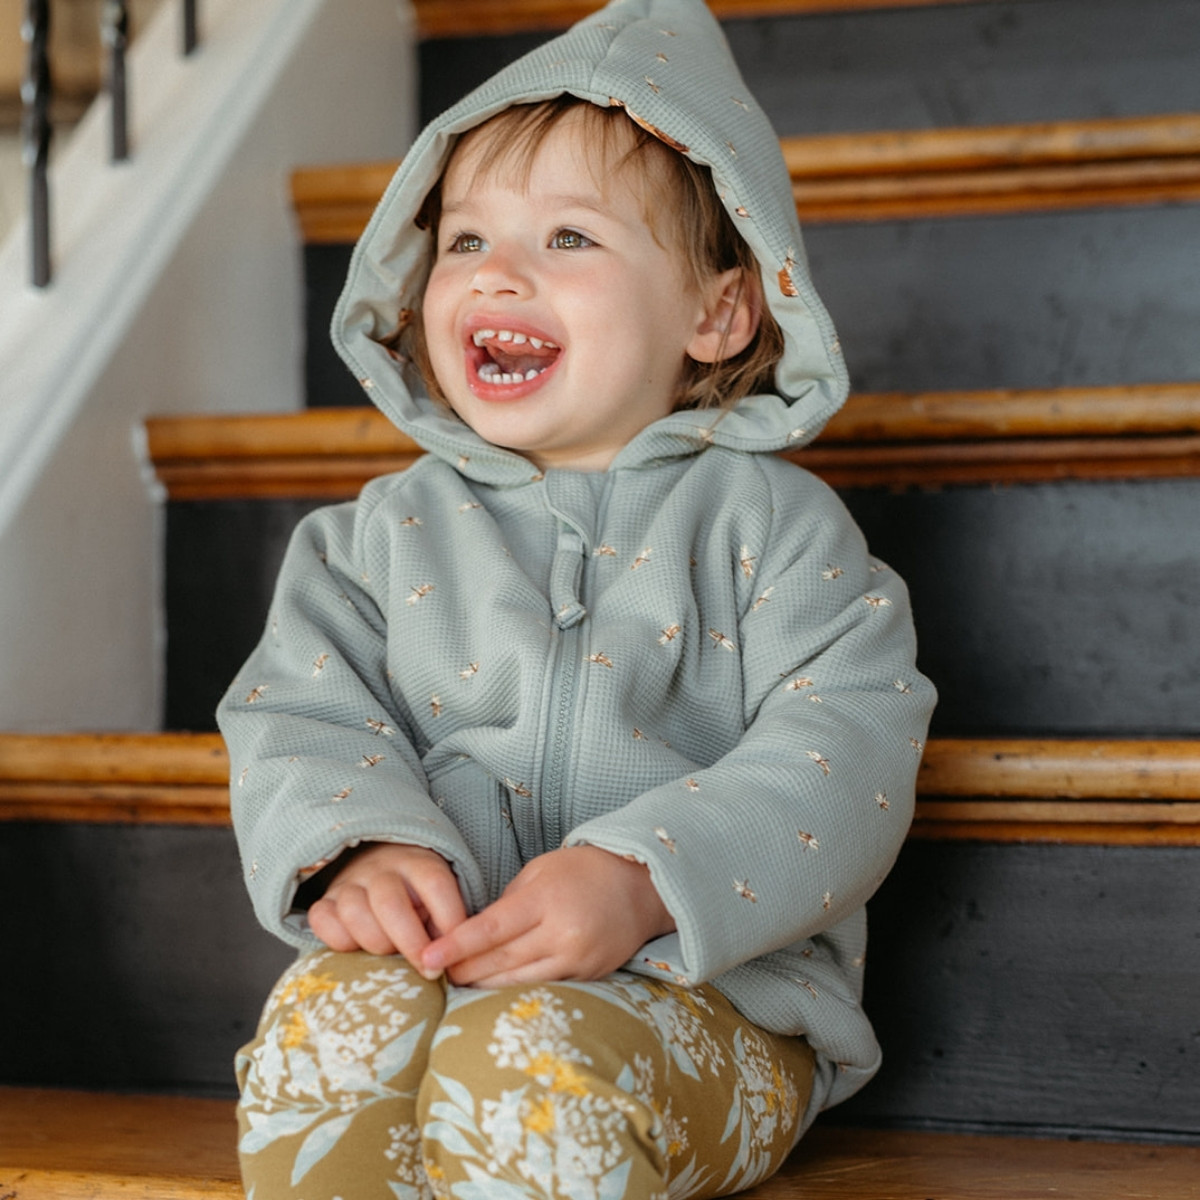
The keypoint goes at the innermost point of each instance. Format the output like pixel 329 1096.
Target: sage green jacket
pixel 690 658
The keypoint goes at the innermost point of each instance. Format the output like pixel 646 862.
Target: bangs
pixel 511 139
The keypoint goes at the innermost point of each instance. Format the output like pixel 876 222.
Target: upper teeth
pixel 509 335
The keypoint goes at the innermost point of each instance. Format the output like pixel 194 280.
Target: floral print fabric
pixel 366 1081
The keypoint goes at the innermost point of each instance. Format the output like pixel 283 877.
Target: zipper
pixel 565 661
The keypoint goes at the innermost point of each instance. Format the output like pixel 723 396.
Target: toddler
pixel 571 755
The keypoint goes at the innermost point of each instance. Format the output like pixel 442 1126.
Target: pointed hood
pixel 667 64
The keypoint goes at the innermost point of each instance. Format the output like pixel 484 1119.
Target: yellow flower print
pixel 562 1075
pixel 294 1032
pixel 303 987
pixel 526 1010
pixel 567 1079
pixel 540 1117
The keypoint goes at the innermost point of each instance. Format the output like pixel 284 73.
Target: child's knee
pixel 328 1080
pixel 339 1029
pixel 523 1086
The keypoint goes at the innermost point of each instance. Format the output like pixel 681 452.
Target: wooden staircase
pixel 1034 960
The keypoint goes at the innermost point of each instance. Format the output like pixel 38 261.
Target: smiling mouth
pixel 512 357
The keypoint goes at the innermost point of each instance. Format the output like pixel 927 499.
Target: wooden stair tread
pixel 883 439
pixel 897 174
pixel 1129 792
pixel 67 1145
pixel 837 1164
pixel 52 1142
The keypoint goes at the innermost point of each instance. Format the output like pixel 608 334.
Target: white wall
pixel 205 317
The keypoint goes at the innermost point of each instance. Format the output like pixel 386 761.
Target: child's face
pixel 555 323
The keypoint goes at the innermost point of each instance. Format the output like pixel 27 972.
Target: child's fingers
pixel 525 958
pixel 520 964
pixel 349 910
pixel 482 936
pixel 393 910
pixel 389 899
pixel 436 889
pixel 325 923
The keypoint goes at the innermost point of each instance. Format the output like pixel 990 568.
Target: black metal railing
pixel 37 91
pixel 36 133
pixel 114 35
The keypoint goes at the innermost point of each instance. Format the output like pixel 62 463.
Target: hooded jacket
pixel 689 658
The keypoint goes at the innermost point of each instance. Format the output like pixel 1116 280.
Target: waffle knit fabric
pixel 690 658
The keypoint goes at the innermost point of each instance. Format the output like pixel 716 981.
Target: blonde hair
pixel 681 208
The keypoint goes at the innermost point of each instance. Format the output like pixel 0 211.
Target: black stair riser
pixel 1041 609
pixel 1049 988
pixel 972 64
pixel 222 560
pixel 1037 988
pixel 1051 609
pixel 133 957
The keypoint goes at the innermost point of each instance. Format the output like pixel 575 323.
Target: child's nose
pixel 503 270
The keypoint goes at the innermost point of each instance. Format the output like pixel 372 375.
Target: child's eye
pixel 466 243
pixel 570 239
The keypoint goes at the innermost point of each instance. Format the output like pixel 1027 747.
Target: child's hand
pixel 576 913
pixel 389 899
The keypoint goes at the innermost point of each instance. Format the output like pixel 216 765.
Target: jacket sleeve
pixel 322 756
pixel 790 832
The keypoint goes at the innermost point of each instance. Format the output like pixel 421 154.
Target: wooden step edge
pixel 115 803
pixel 1007 789
pixel 997 193
pixel 1001 463
pixel 1066 822
pixel 877 440
pixel 1061 769
pixel 180 759
pixel 894 467
pixel 53 1184
pixel 1153 140
pixel 1159 409
pixel 895 174
pixel 480 18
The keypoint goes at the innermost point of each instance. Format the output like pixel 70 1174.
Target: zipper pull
pixel 565 574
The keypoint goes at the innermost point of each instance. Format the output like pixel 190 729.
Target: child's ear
pixel 732 310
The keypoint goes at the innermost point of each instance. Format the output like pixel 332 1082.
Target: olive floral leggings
pixel 367 1082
